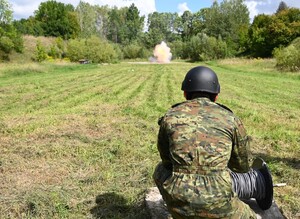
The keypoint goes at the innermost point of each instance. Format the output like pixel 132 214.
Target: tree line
pixel 222 30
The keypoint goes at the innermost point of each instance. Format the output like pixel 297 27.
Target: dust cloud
pixel 162 53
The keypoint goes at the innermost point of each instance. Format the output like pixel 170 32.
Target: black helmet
pixel 201 78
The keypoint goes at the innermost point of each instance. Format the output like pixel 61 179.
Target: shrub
pixel 94 49
pixel 134 51
pixel 40 52
pixel 54 52
pixel 58 48
pixel 6 45
pixel 10 40
pixel 203 48
pixel 99 51
pixel 178 49
pixel 288 58
pixel 76 50
pixel 118 51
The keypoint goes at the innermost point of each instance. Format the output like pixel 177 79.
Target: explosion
pixel 162 53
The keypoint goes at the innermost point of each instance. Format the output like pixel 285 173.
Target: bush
pixel 204 48
pixel 76 50
pixel 54 52
pixel 94 49
pixel 118 51
pixel 99 51
pixel 134 51
pixel 40 52
pixel 10 41
pixel 288 58
pixel 178 49
pixel 57 49
pixel 6 45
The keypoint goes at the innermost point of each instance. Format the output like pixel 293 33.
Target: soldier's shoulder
pixel 177 104
pixel 224 107
pixel 169 112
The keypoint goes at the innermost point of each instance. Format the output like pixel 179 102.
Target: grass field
pixel 79 141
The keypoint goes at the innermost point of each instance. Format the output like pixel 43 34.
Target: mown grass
pixel 79 141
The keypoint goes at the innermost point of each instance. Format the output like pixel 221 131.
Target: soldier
pixel 199 140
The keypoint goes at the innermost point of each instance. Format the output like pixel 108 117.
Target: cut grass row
pixel 79 141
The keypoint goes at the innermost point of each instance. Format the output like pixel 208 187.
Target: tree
pixel 29 26
pixel 94 49
pixel 124 25
pixel 134 23
pixel 40 52
pixel 57 19
pixel 162 27
pixel 187 24
pixel 288 58
pixel 272 31
pixel 117 25
pixel 91 19
pixel 203 48
pixel 226 20
pixel 9 38
pixel 282 6
pixel 5 12
pixel 102 20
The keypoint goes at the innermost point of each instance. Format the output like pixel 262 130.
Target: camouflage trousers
pixel 194 196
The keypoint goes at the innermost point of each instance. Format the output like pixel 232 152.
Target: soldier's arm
pixel 240 155
pixel 163 146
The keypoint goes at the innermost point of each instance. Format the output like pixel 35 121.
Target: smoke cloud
pixel 162 53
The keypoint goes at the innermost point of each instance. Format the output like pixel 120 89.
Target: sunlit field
pixel 79 141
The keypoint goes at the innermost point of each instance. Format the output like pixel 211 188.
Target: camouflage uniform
pixel 198 141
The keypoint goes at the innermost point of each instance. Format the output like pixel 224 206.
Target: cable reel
pixel 257 183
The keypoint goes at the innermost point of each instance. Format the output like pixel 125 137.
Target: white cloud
pixel 267 6
pixel 182 7
pixel 252 8
pixel 145 7
pixel 26 8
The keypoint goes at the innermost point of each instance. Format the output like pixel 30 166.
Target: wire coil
pixel 249 185
pixel 257 183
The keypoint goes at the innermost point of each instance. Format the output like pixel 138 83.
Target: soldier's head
pixel 201 81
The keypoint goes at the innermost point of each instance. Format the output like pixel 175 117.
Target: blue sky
pixel 174 5
pixel 26 8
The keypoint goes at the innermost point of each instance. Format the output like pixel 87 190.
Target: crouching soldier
pixel 199 142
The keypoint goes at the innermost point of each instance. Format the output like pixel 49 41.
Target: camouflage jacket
pixel 198 141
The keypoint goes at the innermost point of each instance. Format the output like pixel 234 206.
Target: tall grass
pixel 79 141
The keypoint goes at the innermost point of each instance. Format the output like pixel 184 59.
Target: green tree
pixel 203 48
pixel 102 21
pixel 134 23
pixel 95 49
pixel 57 19
pixel 40 52
pixel 273 31
pixel 29 26
pixel 288 58
pixel 282 6
pixel 10 39
pixel 5 12
pixel 117 25
pixel 86 18
pixel 227 20
pixel 125 25
pixel 93 20
pixel 162 27
pixel 187 25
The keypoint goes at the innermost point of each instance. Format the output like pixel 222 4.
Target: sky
pixel 26 8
